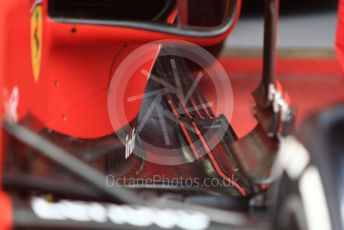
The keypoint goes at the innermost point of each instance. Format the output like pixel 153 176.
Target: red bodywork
pixel 77 64
pixel 340 34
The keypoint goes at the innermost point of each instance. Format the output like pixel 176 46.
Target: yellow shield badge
pixel 36 39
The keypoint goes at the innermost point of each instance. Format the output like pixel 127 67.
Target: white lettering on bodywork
pixel 10 103
pixel 139 216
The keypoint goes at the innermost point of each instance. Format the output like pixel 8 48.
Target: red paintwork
pixel 121 88
pixel 77 64
pixel 71 94
pixel 6 218
pixel 340 34
pixel 173 16
pixel 312 84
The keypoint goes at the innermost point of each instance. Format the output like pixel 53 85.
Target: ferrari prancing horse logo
pixel 36 39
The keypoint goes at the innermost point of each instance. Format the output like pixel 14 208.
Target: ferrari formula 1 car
pixel 116 115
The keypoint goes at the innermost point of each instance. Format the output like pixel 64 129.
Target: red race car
pixel 116 115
